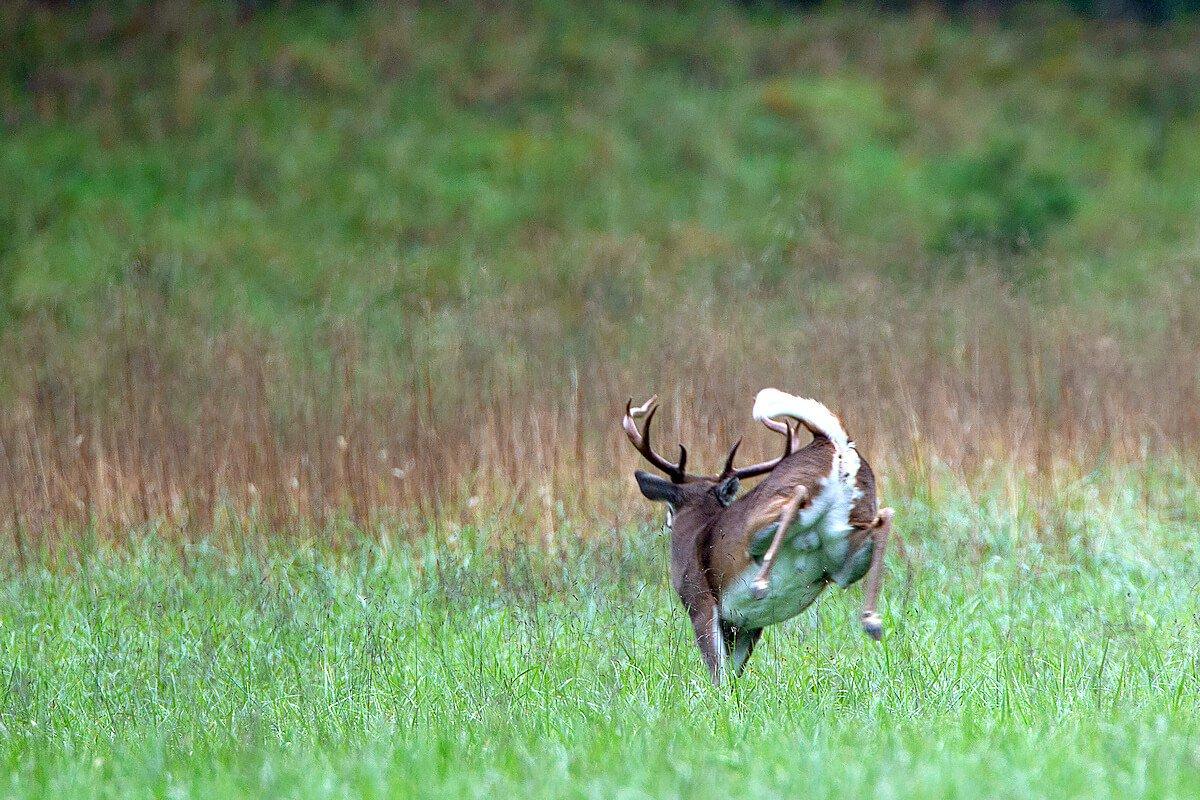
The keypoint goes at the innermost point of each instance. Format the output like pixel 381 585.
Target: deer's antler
pixel 789 438
pixel 641 440
pixel 676 472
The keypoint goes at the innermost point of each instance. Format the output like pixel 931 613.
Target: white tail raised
pixel 814 415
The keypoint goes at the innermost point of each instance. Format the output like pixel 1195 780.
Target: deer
pixel 742 563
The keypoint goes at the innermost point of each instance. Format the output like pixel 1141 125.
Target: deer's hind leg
pixel 872 624
pixel 762 581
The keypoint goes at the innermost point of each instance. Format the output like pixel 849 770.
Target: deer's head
pixel 695 497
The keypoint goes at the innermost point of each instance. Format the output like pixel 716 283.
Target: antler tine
pixel 641 439
pixel 794 435
pixel 631 413
pixel 728 470
pixel 787 429
pixel 778 427
pixel 789 444
pixel 641 410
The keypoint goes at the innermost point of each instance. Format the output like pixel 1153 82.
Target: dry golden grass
pixel 163 425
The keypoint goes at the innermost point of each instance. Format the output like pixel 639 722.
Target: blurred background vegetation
pixel 322 259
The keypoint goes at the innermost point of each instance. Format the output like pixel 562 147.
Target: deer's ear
pixel 660 490
pixel 726 491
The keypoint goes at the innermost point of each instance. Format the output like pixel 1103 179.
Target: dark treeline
pixel 1151 11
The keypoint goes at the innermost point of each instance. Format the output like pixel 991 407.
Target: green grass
pixel 446 671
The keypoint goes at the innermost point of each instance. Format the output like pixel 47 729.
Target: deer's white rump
pixel 814 415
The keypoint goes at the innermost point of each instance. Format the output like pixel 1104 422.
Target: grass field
pixel 1009 669
pixel 319 677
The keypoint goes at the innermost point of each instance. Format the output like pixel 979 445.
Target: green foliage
pixel 833 112
pixel 308 163
pixel 999 201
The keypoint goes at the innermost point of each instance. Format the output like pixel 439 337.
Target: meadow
pixel 317 321
pixel 435 670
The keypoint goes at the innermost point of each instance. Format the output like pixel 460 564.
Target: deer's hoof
pixel 758 589
pixel 872 626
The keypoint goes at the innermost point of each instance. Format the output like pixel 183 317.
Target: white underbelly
pixel 796 581
pixel 814 553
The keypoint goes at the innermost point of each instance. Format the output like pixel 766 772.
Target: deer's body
pixel 735 571
pixel 827 542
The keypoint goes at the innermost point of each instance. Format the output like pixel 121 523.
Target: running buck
pixel 742 563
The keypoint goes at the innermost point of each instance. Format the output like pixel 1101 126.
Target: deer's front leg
pixel 758 589
pixel 739 644
pixel 707 626
pixel 872 624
